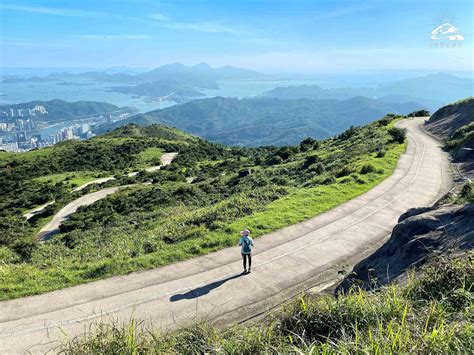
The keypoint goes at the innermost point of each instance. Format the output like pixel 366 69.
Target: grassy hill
pixel 266 121
pixel 196 205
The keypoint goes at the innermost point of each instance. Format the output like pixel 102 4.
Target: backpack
pixel 246 245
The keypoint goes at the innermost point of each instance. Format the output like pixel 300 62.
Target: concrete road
pixel 166 159
pixel 37 210
pixel 53 226
pixel 210 287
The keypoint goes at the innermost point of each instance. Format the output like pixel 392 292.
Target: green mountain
pixel 60 110
pixel 265 121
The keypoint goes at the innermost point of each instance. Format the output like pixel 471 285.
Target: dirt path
pixel 53 226
pixel 297 257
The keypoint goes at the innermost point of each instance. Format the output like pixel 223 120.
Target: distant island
pixel 175 82
pixel 432 91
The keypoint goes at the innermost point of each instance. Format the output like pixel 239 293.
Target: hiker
pixel 247 244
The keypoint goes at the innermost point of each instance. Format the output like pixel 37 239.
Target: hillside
pixel 264 121
pixel 60 110
pixel 443 229
pixel 431 314
pixel 450 118
pixel 194 206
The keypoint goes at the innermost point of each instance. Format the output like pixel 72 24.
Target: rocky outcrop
pixel 450 118
pixel 420 233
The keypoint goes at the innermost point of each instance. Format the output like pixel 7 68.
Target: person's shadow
pixel 204 290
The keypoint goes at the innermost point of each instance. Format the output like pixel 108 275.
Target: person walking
pixel 246 243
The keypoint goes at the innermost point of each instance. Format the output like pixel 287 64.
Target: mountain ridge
pixel 267 121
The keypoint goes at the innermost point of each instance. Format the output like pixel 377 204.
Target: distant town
pixel 22 131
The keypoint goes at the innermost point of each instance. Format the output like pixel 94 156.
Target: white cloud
pixel 205 26
pixel 49 10
pixel 122 36
pixel 159 17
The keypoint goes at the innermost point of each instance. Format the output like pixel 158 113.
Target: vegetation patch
pixel 430 314
pixel 171 219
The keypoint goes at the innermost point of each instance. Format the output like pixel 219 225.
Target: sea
pixel 18 92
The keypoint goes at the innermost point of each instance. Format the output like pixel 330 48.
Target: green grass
pixel 73 179
pixel 171 220
pixel 431 313
pixel 150 156
pixel 21 279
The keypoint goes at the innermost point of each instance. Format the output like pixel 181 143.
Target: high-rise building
pixel 19 124
pixel 21 137
pixel 86 127
pixel 12 112
pixel 40 109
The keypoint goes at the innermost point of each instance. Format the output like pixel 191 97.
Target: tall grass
pixel 415 317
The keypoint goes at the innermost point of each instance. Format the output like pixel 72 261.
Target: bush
pixel 385 121
pixel 367 168
pixel 398 134
pixel 275 160
pixel 310 160
pixel 25 249
pixel 309 144
pixel 381 153
pixel 347 170
pixel 420 113
pixel 317 168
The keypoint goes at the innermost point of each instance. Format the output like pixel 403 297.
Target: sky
pixel 298 36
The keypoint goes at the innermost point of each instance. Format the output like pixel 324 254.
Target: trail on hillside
pixel 306 255
pixel 53 226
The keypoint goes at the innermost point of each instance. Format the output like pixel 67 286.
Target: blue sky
pixel 273 36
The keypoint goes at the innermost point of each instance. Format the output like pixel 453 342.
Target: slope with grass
pixel 430 314
pixel 286 261
pixel 169 220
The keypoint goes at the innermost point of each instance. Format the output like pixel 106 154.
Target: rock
pixel 420 234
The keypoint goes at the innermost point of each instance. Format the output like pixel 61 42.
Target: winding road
pixel 166 159
pixel 298 257
pixel 52 227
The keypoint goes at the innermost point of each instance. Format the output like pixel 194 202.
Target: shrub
pixel 309 144
pixel 420 113
pixel 275 160
pixel 381 153
pixel 310 160
pixel 286 152
pixel 25 249
pixel 385 121
pixel 398 134
pixel 347 170
pixel 317 168
pixel 348 133
pixel 367 168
